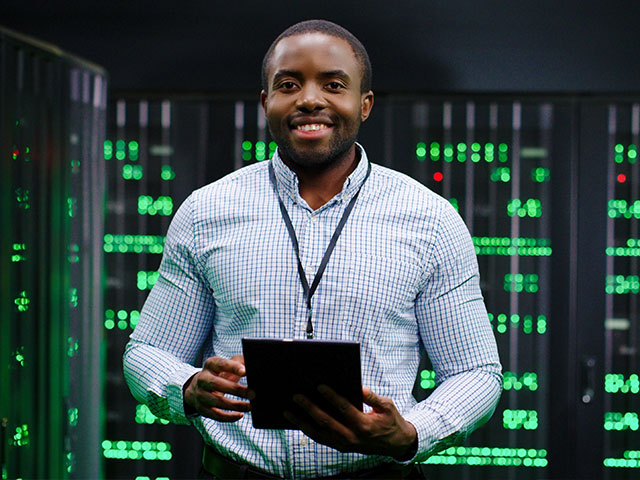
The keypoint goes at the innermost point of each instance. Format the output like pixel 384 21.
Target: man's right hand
pixel 206 390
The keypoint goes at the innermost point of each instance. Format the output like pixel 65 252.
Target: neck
pixel 320 184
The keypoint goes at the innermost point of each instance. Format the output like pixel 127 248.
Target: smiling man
pixel 391 266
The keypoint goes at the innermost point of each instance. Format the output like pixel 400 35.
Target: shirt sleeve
pixel 455 329
pixel 174 323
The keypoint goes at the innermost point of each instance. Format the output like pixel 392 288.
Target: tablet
pixel 279 368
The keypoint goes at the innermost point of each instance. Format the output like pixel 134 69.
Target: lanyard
pixel 309 291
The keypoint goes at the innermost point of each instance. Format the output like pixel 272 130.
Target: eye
pixel 335 85
pixel 287 85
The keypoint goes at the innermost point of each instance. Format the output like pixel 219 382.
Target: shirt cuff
pixel 174 393
pixel 426 430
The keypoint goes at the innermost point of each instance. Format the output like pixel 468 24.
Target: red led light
pixel 437 176
pixel 622 178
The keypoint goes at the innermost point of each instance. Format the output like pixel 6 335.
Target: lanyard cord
pixel 309 291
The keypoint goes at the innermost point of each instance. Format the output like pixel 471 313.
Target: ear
pixel 366 104
pixel 263 100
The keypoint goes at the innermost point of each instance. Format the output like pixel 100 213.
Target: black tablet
pixel 279 368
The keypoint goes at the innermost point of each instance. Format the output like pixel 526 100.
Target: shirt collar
pixel 288 180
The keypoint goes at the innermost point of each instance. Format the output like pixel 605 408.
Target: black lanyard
pixel 308 292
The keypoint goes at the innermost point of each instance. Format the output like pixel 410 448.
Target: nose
pixel 311 98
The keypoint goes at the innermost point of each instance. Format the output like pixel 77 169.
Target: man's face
pixel 313 105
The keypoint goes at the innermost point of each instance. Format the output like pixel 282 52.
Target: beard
pixel 316 159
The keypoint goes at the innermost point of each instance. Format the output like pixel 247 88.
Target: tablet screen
pixel 279 368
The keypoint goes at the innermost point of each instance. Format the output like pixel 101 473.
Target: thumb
pixel 373 400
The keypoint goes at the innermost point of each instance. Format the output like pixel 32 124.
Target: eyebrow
pixel 297 75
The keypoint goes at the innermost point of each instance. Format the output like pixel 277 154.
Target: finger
pixel 221 416
pixel 216 383
pixel 219 365
pixel 344 406
pixel 219 401
pixel 376 402
pixel 321 419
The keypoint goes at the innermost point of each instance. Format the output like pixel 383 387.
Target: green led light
pixel 490 456
pixel 108 149
pixel 246 156
pixel 163 205
pixel 519 283
pixel 527 381
pixel 531 208
pixel 261 153
pixel 619 421
pixel 19 253
pixel 22 198
pixel 631 459
pixel 72 416
pixel 110 318
pixel 73 256
pixel 499 322
pixel 454 202
pixel 133 243
pixel 621 284
pixel 536 247
pixel 518 419
pixel 135 450
pixel 617 383
pixel 619 148
pixel 500 174
pixel 246 145
pixel 131 172
pixel 144 416
pixel 18 356
pixel 21 436
pixel 120 150
pixel 22 302
pixel 167 173
pixel 448 152
pixel 619 208
pixel 72 347
pixel 146 280
pixel 623 251
pixel 540 174
pixel 427 379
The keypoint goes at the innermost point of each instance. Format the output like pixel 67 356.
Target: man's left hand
pixel 381 431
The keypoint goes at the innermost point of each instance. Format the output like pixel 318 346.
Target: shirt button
pixel 304 441
pixel 314 218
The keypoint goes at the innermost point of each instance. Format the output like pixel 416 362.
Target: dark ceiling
pixel 415 45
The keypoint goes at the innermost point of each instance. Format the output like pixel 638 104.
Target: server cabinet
pixel 52 127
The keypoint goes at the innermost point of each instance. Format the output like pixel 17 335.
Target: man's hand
pixel 382 431
pixel 206 390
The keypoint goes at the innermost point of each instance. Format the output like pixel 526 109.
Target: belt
pixel 224 468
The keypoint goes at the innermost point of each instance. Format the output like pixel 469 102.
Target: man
pixel 402 273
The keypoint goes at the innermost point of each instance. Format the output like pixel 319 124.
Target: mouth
pixel 312 127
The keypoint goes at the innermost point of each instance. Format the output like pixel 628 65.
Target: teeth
pixel 311 127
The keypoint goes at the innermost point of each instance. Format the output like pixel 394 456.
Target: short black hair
pixel 333 30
